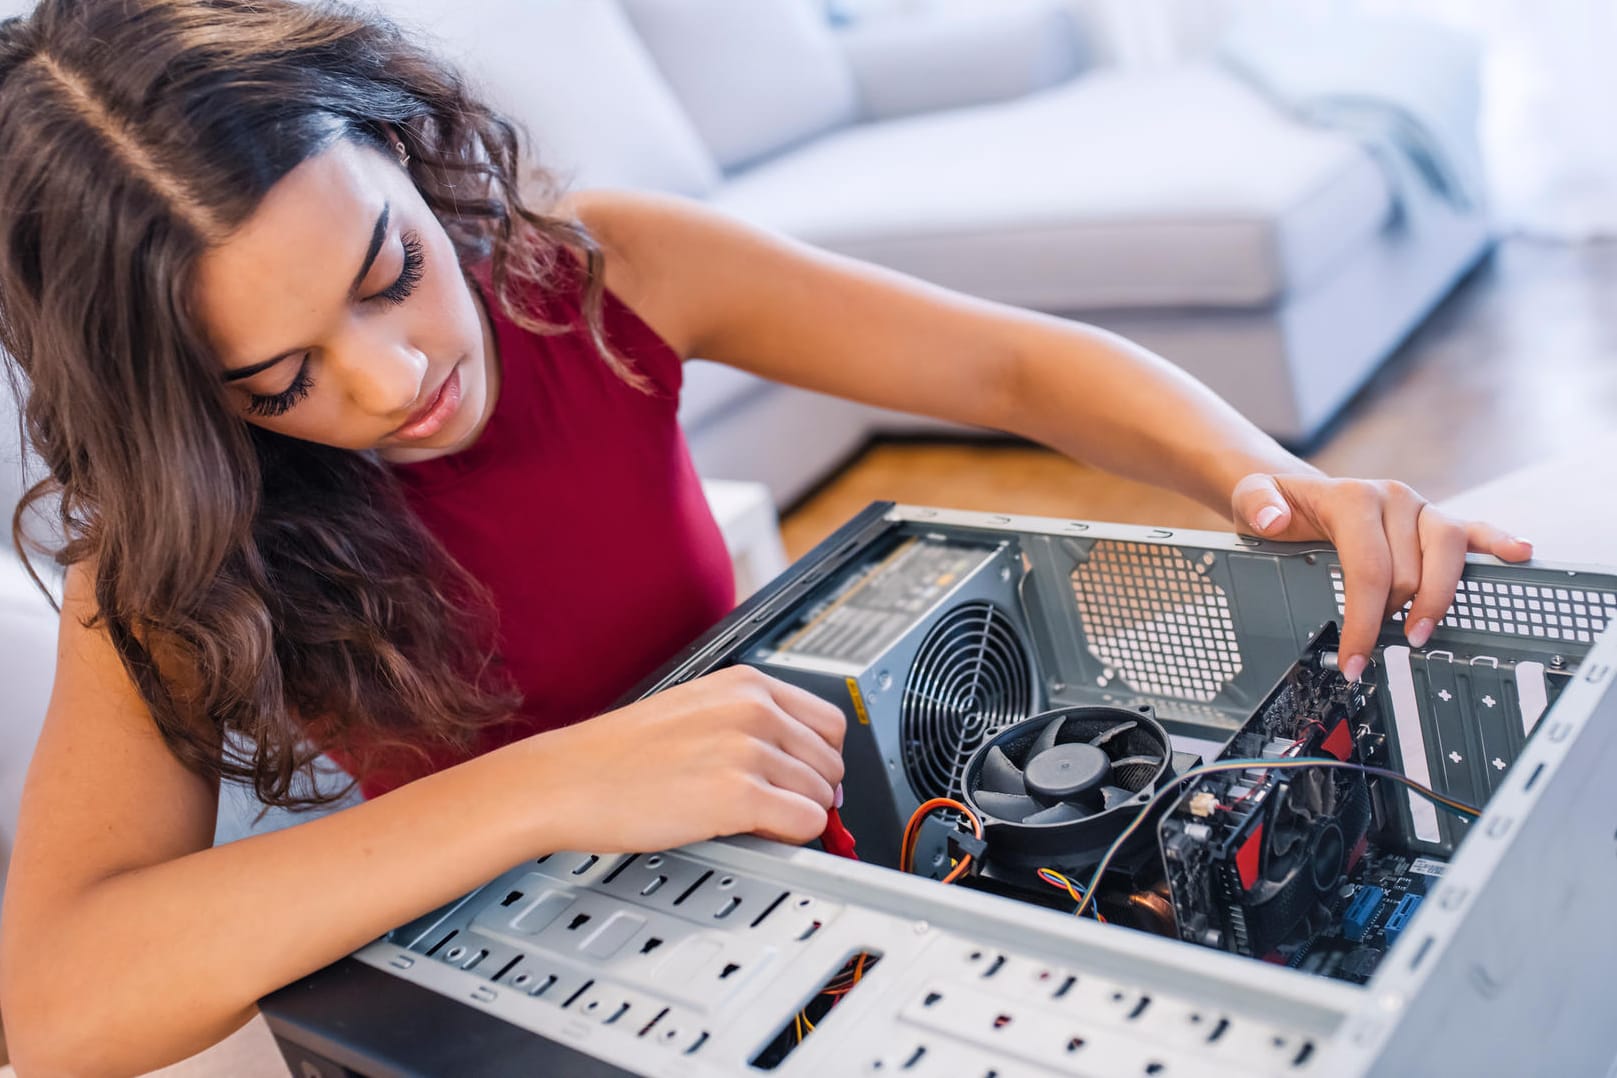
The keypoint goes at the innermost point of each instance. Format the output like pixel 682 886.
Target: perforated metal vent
pixel 971 677
pixel 1570 614
pixel 1152 616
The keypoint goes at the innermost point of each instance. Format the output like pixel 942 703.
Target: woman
pixel 321 396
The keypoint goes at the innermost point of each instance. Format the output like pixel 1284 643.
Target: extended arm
pixel 719 289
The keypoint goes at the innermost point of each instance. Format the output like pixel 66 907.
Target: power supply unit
pixel 1179 841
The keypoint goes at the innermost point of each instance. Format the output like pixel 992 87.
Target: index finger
pixel 1366 583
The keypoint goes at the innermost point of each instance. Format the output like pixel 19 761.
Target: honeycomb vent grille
pixel 1155 621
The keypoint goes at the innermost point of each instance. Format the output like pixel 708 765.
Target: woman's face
pixel 340 314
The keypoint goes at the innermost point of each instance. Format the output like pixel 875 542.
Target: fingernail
pixel 1266 516
pixel 1421 632
pixel 1353 669
pixel 1522 541
pixel 836 798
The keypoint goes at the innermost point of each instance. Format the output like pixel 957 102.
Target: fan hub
pixel 1065 771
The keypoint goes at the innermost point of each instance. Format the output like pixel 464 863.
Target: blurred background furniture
pixel 990 148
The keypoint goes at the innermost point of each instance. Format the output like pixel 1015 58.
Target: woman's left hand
pixel 1396 548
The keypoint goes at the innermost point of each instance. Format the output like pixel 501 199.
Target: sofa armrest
pixel 27 669
pixel 952 56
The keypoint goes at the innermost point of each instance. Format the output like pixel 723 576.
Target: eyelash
pixel 394 294
pixel 409 275
pixel 278 403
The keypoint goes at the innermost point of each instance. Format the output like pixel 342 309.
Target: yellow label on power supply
pixel 858 702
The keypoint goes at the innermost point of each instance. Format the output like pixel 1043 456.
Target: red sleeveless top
pixel 579 508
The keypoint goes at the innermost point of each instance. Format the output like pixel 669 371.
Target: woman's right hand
pixel 733 752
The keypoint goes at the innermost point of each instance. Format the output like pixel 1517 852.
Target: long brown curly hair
pixel 307 607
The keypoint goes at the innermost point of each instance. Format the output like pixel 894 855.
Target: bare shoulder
pixel 84 639
pixel 103 791
pixel 661 252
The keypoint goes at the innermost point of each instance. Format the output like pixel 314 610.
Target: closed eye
pixel 275 404
pixel 409 274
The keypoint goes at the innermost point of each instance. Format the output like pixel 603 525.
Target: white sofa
pixel 27 644
pixel 990 148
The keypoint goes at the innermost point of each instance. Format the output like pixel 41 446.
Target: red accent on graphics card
pixel 1340 742
pixel 1246 858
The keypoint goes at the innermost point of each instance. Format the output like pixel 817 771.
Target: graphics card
pixel 1256 859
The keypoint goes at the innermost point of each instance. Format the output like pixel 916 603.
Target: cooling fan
pixel 1304 849
pixel 1057 789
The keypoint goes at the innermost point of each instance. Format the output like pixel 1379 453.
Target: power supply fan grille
pixel 970 677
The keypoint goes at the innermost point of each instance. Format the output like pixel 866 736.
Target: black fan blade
pixel 1047 736
pixel 1009 807
pixel 999 775
pixel 1129 761
pixel 1120 728
pixel 1112 796
pixel 1060 812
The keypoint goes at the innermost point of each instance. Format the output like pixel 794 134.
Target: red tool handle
pixel 837 839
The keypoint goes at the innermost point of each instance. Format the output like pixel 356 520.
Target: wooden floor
pixel 1519 364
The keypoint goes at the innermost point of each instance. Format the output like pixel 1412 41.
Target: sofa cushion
pixel 709 390
pixel 576 77
pixel 755 76
pixel 992 52
pixel 13 480
pixel 1119 189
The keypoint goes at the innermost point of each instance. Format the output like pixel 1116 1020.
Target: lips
pixel 435 413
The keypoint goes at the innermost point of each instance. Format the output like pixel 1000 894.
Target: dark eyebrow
pixel 378 234
pixel 247 372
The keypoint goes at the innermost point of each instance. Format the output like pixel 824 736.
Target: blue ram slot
pixel 1400 917
pixel 1361 911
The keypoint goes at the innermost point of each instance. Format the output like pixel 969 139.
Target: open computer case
pixel 1149 723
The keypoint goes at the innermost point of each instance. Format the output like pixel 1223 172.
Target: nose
pixel 383 374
